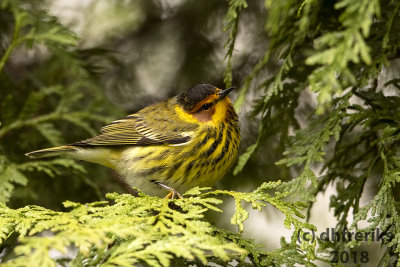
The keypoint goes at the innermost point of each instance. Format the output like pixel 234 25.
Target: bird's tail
pixel 50 152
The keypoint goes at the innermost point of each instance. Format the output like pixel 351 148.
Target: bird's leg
pixel 172 192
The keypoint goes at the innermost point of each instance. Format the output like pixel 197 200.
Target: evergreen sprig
pixel 126 230
pixel 341 51
pixel 231 25
pixel 336 50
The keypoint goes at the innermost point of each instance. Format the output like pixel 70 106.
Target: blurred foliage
pixel 49 93
pixel 281 54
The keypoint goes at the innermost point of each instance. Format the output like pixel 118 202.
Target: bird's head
pixel 205 103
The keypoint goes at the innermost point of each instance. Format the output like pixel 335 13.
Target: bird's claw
pixel 173 194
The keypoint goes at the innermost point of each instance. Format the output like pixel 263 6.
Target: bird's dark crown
pixel 194 95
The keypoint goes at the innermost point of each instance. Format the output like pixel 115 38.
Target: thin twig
pixel 14 41
pixel 22 123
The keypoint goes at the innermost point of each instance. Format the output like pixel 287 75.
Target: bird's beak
pixel 223 93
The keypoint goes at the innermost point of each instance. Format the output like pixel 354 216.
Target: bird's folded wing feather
pixel 142 129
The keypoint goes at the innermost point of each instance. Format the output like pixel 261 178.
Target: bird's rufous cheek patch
pixel 204 115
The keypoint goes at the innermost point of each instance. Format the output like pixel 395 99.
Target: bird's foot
pixel 173 194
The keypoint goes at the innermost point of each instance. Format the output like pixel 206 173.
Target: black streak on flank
pixel 177 165
pixel 188 168
pixel 174 169
pixel 229 134
pixel 195 148
pixel 152 170
pixel 161 156
pixel 202 143
pixel 214 146
pixel 223 152
pixel 142 157
pixel 213 168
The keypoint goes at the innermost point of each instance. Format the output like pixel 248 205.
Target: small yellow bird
pixel 188 140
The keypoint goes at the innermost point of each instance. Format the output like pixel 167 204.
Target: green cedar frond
pixel 335 51
pixel 51 167
pixel 127 230
pixel 9 175
pixel 340 51
pixel 231 24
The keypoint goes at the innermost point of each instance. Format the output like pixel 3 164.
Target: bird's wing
pixel 143 128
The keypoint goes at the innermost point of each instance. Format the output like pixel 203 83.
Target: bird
pixel 188 140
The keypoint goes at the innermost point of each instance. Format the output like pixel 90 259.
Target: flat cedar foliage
pixel 339 50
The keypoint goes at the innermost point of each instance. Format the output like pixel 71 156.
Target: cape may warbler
pixel 188 140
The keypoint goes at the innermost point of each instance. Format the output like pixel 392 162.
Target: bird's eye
pixel 206 106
